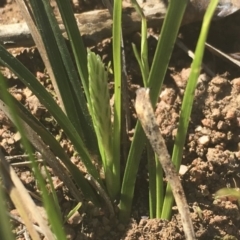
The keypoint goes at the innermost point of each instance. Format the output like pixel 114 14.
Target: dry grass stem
pixel 147 118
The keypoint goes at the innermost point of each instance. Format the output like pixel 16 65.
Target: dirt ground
pixel 212 150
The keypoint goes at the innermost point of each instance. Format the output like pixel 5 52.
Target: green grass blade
pixel 152 181
pixel 187 103
pixel 227 193
pixel 130 173
pixel 72 212
pixel 159 188
pixel 157 73
pixel 144 66
pixel 138 58
pixel 117 20
pixel 53 194
pixel 165 46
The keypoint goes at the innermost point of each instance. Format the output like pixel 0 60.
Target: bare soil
pixel 212 150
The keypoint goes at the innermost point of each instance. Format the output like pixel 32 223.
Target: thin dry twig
pixel 21 158
pixel 10 158
pixel 25 163
pixel 234 58
pixel 146 116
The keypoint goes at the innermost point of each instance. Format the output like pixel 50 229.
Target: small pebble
pixel 183 169
pixel 204 140
pixel 10 141
pixel 198 129
pixel 17 137
pixel 230 114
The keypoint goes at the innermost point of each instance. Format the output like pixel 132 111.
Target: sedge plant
pixel 84 112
